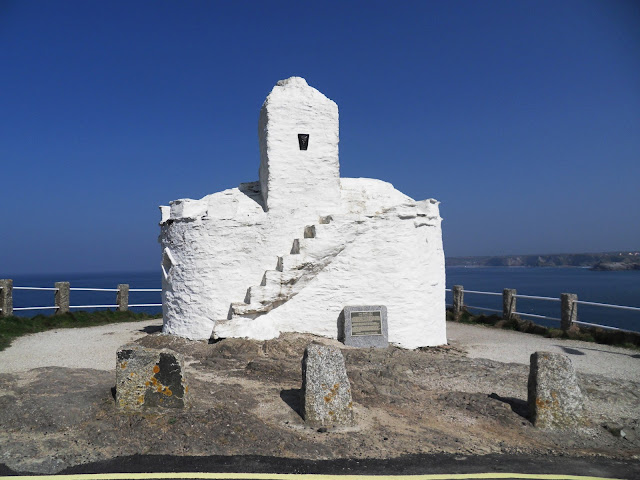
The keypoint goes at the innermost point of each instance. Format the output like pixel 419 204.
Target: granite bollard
pixel 150 378
pixel 326 391
pixel 122 298
pixel 554 396
pixel 62 296
pixel 6 297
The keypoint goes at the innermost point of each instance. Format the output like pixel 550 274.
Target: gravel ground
pixel 57 407
pixel 508 346
pixel 92 347
pixel 95 348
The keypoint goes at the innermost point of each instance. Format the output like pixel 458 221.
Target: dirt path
pixel 508 346
pixel 95 348
pixel 246 394
pixel 92 347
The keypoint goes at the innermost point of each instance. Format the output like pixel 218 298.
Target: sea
pixel 618 288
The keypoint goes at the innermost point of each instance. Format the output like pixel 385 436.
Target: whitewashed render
pixel 289 252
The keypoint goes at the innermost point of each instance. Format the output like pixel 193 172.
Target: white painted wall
pixel 381 247
pixel 312 176
pixel 394 259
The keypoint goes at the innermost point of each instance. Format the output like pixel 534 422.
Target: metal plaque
pixel 303 140
pixel 366 323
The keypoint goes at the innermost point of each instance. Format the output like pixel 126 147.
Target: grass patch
pixel 14 327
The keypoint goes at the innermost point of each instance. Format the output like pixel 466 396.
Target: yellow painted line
pixel 296 476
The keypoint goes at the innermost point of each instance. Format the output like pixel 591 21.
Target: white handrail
pixel 88 306
pixel 93 306
pixel 552 299
pixel 482 293
pixel 90 289
pixel 621 307
pixel 534 297
pixel 531 297
pixel 606 327
pixel 35 288
pixel 86 289
pixel 537 316
pixel 482 308
pixel 36 308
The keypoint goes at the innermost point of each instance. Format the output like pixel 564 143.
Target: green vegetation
pixel 598 335
pixel 14 327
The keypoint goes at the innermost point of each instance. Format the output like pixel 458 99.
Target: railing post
pixel 569 310
pixel 458 301
pixel 62 297
pixel 508 303
pixel 6 297
pixel 122 298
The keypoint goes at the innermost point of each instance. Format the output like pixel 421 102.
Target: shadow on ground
pixel 292 397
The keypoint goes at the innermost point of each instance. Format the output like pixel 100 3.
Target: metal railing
pixel 569 303
pixel 568 310
pixel 63 293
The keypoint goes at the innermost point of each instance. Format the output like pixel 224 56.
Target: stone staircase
pixel 309 255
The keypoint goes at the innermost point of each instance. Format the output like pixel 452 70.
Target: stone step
pixel 310 231
pixel 308 255
pixel 302 245
pixel 290 262
pixel 258 295
pixel 322 230
pixel 262 295
pixel 325 220
pixel 276 277
pixel 242 309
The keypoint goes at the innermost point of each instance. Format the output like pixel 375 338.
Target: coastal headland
pixel 607 261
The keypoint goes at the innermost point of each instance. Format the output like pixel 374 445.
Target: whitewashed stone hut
pixel 289 252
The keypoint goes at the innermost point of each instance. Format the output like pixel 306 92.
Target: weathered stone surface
pixel 62 297
pixel 458 301
pixel 359 326
pixel 555 400
pixel 122 299
pixel 6 297
pixel 569 310
pixel 508 303
pixel 326 391
pixel 150 378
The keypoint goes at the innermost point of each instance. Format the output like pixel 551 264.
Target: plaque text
pixel 366 323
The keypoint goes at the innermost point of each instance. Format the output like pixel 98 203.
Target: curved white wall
pixel 380 247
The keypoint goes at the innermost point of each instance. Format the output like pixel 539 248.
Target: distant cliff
pixel 616 266
pixel 598 261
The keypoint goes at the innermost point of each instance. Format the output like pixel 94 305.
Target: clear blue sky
pixel 522 118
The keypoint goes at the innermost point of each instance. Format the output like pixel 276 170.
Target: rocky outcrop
pixel 615 266
pixel 619 259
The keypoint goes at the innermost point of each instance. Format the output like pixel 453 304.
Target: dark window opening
pixel 303 140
